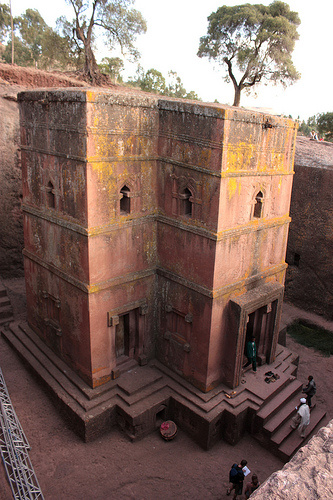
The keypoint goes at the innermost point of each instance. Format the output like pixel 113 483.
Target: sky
pixel 172 40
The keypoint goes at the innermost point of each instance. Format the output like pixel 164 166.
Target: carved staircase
pixel 272 422
pixel 138 398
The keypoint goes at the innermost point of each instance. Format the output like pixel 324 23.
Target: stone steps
pixel 6 312
pixel 272 422
pixel 292 441
pixel 139 397
pixel 271 408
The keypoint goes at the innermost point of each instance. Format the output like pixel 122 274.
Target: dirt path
pixel 113 467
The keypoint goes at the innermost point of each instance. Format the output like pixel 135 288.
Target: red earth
pixel 112 467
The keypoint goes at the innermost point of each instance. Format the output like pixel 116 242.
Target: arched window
pixel 125 200
pixel 258 205
pixel 186 203
pixel 50 195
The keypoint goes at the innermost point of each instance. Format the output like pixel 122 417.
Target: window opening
pixel 186 202
pixel 258 205
pixel 297 258
pixel 50 195
pixel 125 200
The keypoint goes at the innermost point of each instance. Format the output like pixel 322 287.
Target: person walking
pixel 302 418
pixel 310 390
pixel 236 477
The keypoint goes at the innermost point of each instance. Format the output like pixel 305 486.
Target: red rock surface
pixel 113 467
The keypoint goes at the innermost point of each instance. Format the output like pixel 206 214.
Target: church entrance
pixel 260 325
pixel 255 314
pixel 126 337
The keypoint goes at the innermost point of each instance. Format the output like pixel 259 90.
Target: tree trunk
pixel 237 96
pixel 91 69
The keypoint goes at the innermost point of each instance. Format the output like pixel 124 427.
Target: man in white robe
pixel 302 418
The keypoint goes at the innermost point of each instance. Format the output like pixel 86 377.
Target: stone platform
pixel 144 396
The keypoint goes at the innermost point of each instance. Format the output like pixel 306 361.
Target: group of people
pixel 314 136
pixel 237 474
pixel 301 420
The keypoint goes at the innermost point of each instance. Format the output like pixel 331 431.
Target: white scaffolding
pixel 14 451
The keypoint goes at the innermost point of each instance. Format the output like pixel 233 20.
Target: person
pixel 251 354
pixel 310 390
pixel 236 477
pixel 302 418
pixel 253 485
pixel 313 135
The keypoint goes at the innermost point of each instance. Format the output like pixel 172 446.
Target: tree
pixel 36 43
pixel 304 128
pixel 325 125
pixel 149 81
pixel 32 29
pixel 113 18
pixel 254 42
pixel 4 21
pixel 112 66
pixel 176 88
pixel 153 81
pixel 22 53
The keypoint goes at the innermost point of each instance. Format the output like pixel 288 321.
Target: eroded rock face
pixel 308 475
pixel 11 229
pixel 309 278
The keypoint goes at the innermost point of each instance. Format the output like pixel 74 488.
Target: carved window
pixel 125 200
pixel 186 203
pixel 297 258
pixel 258 206
pixel 50 195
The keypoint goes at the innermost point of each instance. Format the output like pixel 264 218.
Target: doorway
pixel 260 325
pixel 127 336
pixel 255 313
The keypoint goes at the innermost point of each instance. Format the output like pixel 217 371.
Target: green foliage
pixel 304 129
pixel 22 53
pixel 310 335
pixel 254 42
pixel 176 88
pixel 112 20
pixel 31 27
pixel 153 81
pixel 112 66
pixel 36 44
pixel 69 53
pixel 321 123
pixel 325 125
pixel 4 21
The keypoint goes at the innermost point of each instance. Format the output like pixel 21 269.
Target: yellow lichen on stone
pixel 239 156
pixel 232 187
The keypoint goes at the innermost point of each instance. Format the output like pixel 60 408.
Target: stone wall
pixel 309 278
pixel 11 228
pixel 308 474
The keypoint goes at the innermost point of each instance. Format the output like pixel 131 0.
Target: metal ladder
pixel 14 451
